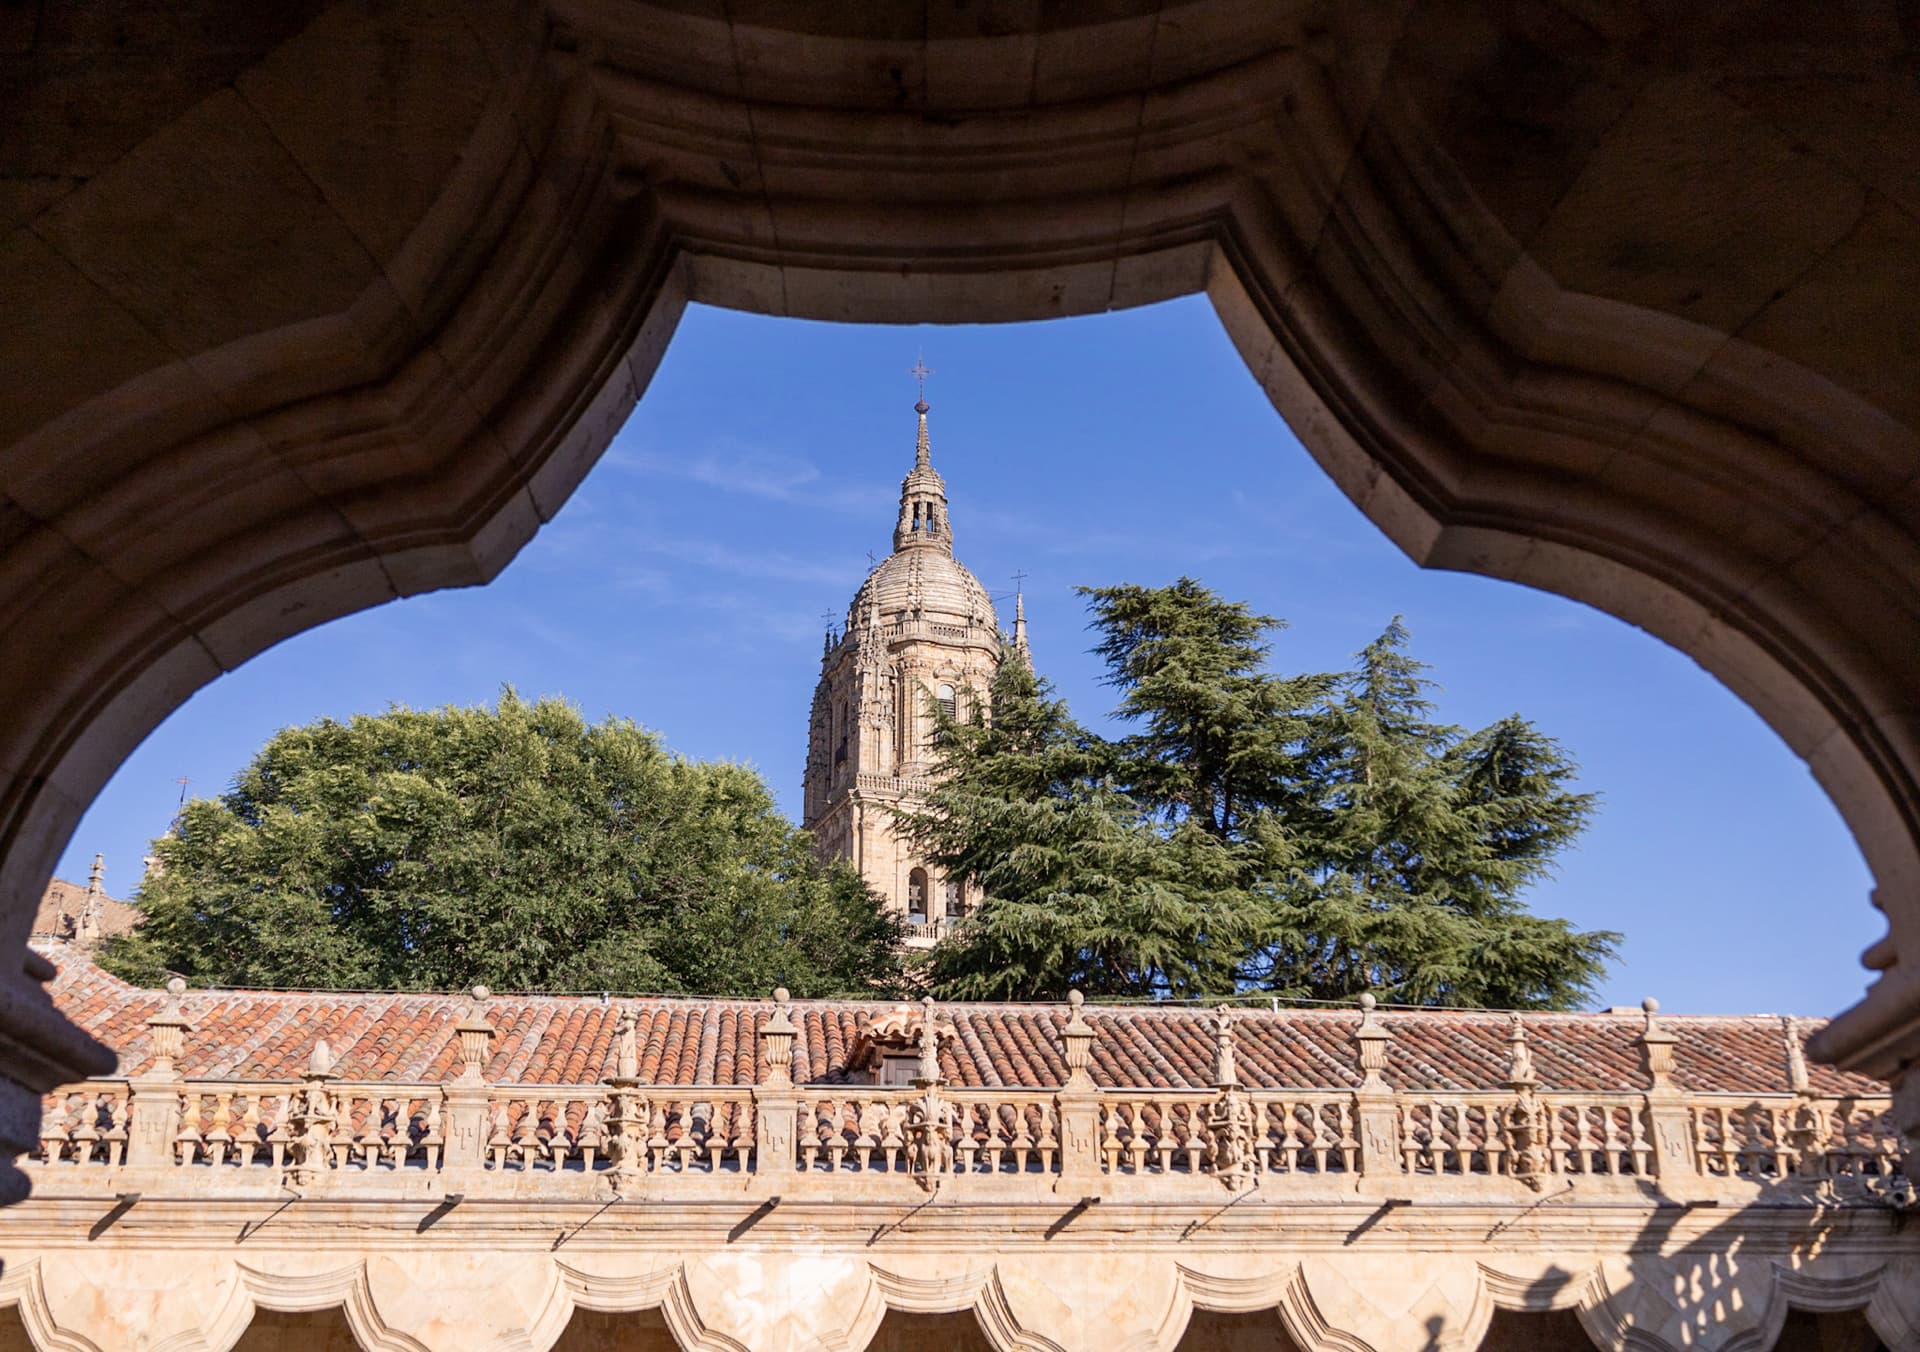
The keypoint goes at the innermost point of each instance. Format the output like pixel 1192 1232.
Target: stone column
pixel 1374 1111
pixel 1078 1106
pixel 1669 1123
pixel 153 1107
pixel 776 1106
pixel 467 1097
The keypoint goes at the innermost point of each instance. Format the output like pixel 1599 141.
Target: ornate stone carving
pixel 475 1035
pixel 1524 1123
pixel 1656 1047
pixel 1230 1117
pixel 168 1028
pixel 627 1119
pixel 1372 1040
pixel 311 1120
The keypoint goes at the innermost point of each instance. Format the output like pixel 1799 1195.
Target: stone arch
pixel 293 347
pixel 306 1331
pixel 590 1330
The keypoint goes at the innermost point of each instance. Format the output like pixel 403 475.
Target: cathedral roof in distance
pixel 935 584
pixel 921 578
pixel 64 904
pixel 557 1040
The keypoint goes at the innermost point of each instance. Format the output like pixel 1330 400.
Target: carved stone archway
pixel 318 307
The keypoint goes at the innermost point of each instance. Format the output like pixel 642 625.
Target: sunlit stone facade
pixel 920 633
pixel 315 1172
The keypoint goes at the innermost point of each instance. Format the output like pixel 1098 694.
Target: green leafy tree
pixel 1314 835
pixel 515 845
pixel 1419 841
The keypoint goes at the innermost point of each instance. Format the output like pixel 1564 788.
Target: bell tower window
pixel 949 705
pixel 917 897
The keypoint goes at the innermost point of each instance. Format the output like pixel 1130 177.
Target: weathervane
pixel 920 373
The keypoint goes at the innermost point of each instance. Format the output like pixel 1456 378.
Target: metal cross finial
pixel 183 781
pixel 1019 581
pixel 920 373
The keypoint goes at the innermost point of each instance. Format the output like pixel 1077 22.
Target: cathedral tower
pixel 921 630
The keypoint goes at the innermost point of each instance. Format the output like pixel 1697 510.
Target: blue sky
pixel 687 583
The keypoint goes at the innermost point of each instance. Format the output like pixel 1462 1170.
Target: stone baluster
pixel 1669 1122
pixel 56 1126
pixel 1078 1106
pixel 218 1135
pixel 154 1113
pixel 463 1118
pixel 776 1106
pixel 1373 1103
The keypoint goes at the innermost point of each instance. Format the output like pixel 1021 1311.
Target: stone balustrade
pixel 1674 1209
pixel 1144 1137
pixel 626 1134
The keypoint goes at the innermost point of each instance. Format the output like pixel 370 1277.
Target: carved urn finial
pixel 1656 1047
pixel 776 1040
pixel 1372 1040
pixel 1226 1074
pixel 1519 1056
pixel 1076 1043
pixel 168 1028
pixel 476 1032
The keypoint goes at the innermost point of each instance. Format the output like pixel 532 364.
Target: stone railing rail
pixel 1115 1138
pixel 857 1129
pixel 902 785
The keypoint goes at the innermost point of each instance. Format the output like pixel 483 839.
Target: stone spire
pixel 87 928
pixel 923 520
pixel 1020 649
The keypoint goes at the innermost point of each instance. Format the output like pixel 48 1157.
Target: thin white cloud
pixel 773 565
pixel 776 476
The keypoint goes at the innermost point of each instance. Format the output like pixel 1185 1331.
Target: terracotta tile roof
pixel 545 1039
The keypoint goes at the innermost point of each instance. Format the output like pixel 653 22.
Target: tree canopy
pixel 1313 835
pixel 515 845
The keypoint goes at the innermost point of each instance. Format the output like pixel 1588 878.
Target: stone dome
pixel 930 581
